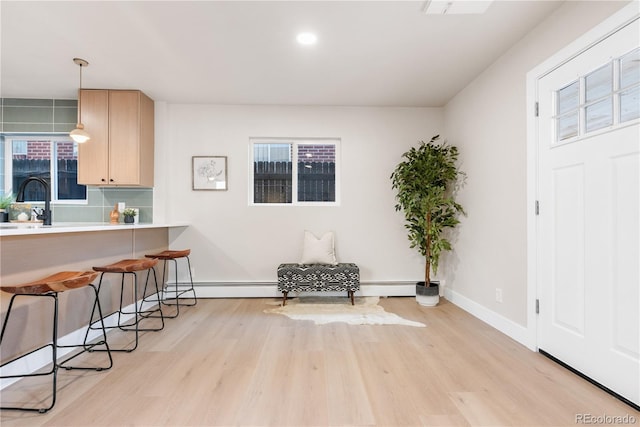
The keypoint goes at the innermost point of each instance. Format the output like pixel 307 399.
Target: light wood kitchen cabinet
pixel 120 151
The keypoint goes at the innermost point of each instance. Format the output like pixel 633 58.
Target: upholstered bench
pixel 318 277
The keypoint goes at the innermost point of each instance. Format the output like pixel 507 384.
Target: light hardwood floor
pixel 226 363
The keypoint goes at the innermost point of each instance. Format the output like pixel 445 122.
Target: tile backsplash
pixel 101 202
pixel 37 115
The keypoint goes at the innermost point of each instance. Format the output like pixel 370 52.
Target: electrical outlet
pixel 498 295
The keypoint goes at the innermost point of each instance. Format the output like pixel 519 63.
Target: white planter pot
pixel 428 301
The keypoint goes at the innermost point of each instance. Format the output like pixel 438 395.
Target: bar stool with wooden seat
pixel 130 267
pixel 174 255
pixel 50 287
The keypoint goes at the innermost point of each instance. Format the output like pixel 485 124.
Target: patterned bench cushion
pixel 318 277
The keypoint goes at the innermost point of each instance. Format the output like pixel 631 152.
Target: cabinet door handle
pixel 103 180
pixel 111 180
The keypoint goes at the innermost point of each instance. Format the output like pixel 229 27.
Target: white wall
pixel 487 120
pixel 234 242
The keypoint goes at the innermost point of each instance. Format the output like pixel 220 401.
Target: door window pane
pixel 567 126
pixel 630 104
pixel 599 83
pixel 630 69
pixel 599 115
pixel 568 98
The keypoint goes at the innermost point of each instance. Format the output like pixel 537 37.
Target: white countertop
pixel 29 229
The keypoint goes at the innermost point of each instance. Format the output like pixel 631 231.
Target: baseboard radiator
pixel 270 289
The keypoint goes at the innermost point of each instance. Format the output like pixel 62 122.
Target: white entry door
pixel 588 229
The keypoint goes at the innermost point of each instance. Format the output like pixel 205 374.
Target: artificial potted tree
pixel 426 182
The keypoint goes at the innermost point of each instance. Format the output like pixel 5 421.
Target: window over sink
pixel 44 156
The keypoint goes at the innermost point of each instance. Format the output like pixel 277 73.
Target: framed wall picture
pixel 209 172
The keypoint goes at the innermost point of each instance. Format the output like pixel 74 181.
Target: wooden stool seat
pixel 169 254
pixel 127 266
pixel 59 282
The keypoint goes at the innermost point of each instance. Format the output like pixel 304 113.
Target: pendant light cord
pixel 79 135
pixel 80 97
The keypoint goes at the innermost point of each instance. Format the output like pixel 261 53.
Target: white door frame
pixel 589 39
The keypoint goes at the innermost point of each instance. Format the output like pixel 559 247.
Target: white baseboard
pixel 508 327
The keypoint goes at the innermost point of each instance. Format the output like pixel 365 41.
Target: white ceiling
pixel 375 53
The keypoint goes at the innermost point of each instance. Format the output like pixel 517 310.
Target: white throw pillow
pixel 318 251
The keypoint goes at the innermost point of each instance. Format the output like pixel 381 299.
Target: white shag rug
pixel 323 310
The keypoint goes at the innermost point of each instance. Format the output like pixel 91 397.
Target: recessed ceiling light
pixel 307 39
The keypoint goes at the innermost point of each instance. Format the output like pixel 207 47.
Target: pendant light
pixel 80 135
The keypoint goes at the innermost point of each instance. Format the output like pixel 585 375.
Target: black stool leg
pixel 136 319
pixel 177 292
pixel 192 289
pixel 90 347
pixel 160 302
pixel 54 355
pixel 119 324
pixel 101 317
pixel 176 304
pixel 155 280
pixel 145 314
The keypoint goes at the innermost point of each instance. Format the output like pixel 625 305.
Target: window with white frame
pixel 294 171
pixel 44 157
pixel 606 97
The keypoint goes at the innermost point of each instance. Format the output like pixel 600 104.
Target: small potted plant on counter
pixel 5 204
pixel 129 215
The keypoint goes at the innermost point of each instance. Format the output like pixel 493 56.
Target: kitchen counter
pixel 30 229
pixel 31 251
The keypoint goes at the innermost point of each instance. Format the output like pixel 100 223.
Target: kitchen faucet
pixel 45 215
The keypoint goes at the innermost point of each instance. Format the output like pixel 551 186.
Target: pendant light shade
pixel 80 135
